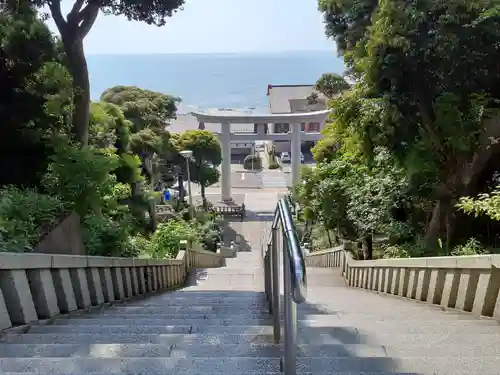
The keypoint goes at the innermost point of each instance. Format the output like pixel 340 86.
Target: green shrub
pixel 106 237
pixel 252 161
pixel 211 234
pixel 140 245
pixel 84 179
pixel 471 247
pixel 24 216
pixel 273 164
pixel 165 240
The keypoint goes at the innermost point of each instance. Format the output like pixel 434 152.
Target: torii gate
pixel 262 120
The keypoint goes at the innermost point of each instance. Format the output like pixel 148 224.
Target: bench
pixel 238 211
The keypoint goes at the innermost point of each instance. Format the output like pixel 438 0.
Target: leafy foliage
pixel 108 182
pixel 165 240
pixel 415 131
pixel 207 156
pixel 483 204
pixel 34 96
pixel 144 108
pixel 24 215
pixel 331 84
pixel 252 162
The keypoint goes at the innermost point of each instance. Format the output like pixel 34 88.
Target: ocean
pixel 206 81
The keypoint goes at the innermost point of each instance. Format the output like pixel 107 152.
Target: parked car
pixel 259 146
pixel 285 157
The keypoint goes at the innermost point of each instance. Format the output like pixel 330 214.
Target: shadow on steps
pixel 217 331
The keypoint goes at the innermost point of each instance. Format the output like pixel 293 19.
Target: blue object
pixel 166 195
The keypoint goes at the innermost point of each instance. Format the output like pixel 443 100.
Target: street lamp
pixel 187 154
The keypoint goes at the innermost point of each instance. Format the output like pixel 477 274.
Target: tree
pixel 144 108
pixel 409 62
pixel 34 96
pixel 346 22
pixel 331 84
pixel 431 113
pixel 149 113
pixel 207 156
pixel 75 27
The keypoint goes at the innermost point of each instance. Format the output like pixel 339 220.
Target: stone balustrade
pixel 36 287
pixel 467 283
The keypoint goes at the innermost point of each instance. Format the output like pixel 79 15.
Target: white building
pixel 285 99
pixel 228 136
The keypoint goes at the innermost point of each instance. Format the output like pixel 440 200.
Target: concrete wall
pixel 468 283
pixel 35 287
pixel 66 238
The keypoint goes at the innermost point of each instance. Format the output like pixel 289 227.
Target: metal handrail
pixel 294 281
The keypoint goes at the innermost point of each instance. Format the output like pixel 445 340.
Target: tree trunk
pixel 182 194
pixel 81 87
pixel 367 246
pixel 440 230
pixel 330 243
pixel 203 198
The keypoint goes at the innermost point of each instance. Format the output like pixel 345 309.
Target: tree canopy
pixel 425 102
pixel 207 156
pixel 75 27
pixel 34 95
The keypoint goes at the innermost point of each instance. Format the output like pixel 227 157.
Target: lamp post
pixel 187 154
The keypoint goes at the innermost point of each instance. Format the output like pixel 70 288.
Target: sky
pixel 215 26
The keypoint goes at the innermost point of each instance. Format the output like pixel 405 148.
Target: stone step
pixel 210 293
pixel 158 310
pixel 240 350
pixel 154 321
pixel 162 365
pixel 225 373
pixel 307 327
pixel 179 315
pixel 158 350
pixel 264 314
pixel 194 310
pixel 334 350
pixel 149 329
pixel 343 337
pixel 479 326
pixel 426 316
pixel 128 338
pixel 177 301
pixel 112 329
pixel 190 303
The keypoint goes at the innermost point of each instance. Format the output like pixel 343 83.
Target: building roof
pixel 303 105
pixel 282 98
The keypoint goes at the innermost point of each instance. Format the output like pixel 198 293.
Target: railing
pixel 294 281
pixel 36 287
pixel 467 283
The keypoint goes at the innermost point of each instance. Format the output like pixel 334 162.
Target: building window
pixel 281 128
pixel 302 127
pixel 313 127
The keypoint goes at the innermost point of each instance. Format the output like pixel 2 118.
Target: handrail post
pixel 275 285
pixel 290 365
pixel 267 281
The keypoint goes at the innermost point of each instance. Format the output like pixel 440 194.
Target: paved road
pixel 274 179
pixel 267 179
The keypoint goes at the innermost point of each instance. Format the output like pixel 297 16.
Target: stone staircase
pixel 218 323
